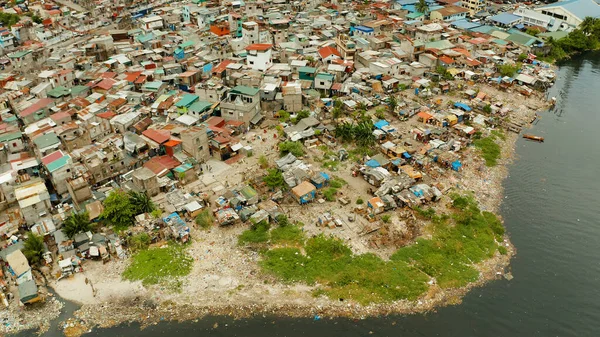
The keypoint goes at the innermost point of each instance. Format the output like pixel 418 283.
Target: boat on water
pixel 534 137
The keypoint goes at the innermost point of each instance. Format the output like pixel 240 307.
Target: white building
pixel 151 22
pixel 571 11
pixel 259 56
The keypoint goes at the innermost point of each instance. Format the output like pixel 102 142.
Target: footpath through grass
pixel 461 239
pixel 159 265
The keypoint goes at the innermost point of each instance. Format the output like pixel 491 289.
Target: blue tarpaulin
pixel 207 68
pixel 406 155
pixel 381 123
pixel 324 175
pixel 462 106
pixel 372 163
pixel 456 165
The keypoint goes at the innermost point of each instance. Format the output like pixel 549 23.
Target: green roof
pixel 144 38
pixel 7 137
pixel 78 89
pixel 187 44
pixel 183 168
pixel 200 106
pixel 186 100
pixel 244 90
pixel 500 42
pixel 555 35
pixel 58 163
pixel 310 70
pixel 59 91
pixel 46 140
pixel 19 54
pixel 414 15
pixel 153 85
pixel 521 38
pixel 325 76
pixel 248 192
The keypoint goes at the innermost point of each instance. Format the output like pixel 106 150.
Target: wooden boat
pixel 533 137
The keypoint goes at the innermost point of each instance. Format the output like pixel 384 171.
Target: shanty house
pixel 304 193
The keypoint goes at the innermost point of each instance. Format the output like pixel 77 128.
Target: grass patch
pixel 159 265
pixel 205 219
pixel 337 182
pixel 330 193
pixel 258 233
pixel 287 235
pixel 490 150
pixel 331 165
pixel 499 134
pixel 458 241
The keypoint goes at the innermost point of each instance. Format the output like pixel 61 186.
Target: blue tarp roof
pixel 324 175
pixel 381 123
pixel 462 106
pixel 406 155
pixel 372 163
pixel 456 165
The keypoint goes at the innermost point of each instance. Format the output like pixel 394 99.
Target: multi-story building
pixel 259 56
pixel 474 6
pixel 242 103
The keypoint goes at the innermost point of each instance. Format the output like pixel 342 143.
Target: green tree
pixel 141 202
pixel 274 179
pixel 294 148
pixel 76 223
pixel 118 210
pixel 588 25
pixel 422 7
pixel 392 103
pixel 34 248
pixel 139 241
pixel 301 115
pixel 507 70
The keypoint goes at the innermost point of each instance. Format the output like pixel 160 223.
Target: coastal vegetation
pixel 585 38
pixel 459 240
pixel 159 265
pixel 490 150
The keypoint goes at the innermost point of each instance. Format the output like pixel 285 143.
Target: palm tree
pixel 77 223
pixel 392 103
pixel 141 202
pixel 588 25
pixel 34 248
pixel 422 7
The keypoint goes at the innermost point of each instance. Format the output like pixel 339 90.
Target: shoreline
pixel 120 302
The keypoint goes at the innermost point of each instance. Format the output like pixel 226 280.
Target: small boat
pixel 533 137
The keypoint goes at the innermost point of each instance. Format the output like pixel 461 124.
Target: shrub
pixel 502 250
pixel 258 233
pixel 294 148
pixel 386 218
pixel 139 241
pixel 263 162
pixel 329 194
pixel 205 219
pixel 359 201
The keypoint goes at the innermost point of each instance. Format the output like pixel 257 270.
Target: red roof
pixel 445 59
pixel 159 136
pixel 109 74
pixel 173 142
pixel 259 46
pixel 106 84
pixel 106 115
pixel 141 79
pixel 328 51
pixel 60 115
pixel 37 106
pixel 215 121
pixel 131 77
pixel 52 157
pixel 161 165
pixel 222 66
